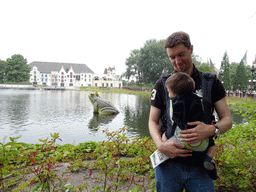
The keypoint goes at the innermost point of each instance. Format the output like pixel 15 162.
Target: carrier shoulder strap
pixel 207 82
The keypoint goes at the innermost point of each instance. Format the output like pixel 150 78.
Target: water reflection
pixel 98 120
pixel 136 115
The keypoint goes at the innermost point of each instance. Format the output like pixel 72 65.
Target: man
pixel 182 170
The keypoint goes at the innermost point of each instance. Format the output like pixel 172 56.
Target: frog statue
pixel 102 106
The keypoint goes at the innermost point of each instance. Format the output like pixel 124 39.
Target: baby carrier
pixel 190 108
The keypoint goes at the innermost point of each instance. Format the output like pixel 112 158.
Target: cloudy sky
pixel 102 33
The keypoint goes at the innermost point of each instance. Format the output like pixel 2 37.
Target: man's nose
pixel 178 60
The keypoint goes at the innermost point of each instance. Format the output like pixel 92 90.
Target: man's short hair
pixel 180 83
pixel 177 38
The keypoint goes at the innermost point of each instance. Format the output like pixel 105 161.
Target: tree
pixel 149 63
pixel 2 67
pixel 16 69
pixel 240 81
pixel 132 64
pixel 207 67
pixel 225 77
pixel 154 61
pixel 195 60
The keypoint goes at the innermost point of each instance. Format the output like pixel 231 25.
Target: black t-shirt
pixel 158 100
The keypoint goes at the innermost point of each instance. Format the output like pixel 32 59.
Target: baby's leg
pixel 211 151
pixel 209 164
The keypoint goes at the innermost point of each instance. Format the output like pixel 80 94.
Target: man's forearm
pixel 224 125
pixel 155 133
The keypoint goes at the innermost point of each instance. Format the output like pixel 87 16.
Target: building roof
pixel 47 67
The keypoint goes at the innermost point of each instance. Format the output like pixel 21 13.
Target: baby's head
pixel 179 84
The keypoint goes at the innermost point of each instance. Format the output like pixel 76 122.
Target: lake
pixel 34 114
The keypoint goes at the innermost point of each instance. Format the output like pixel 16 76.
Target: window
pixel 45 75
pixel 62 73
pixel 84 75
pixel 70 74
pixel 34 72
pixel 42 79
pixel 45 79
pixel 70 80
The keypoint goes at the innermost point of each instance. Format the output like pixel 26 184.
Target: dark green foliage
pixel 240 80
pixel 16 69
pixel 225 78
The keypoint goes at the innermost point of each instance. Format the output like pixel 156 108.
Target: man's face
pixel 181 59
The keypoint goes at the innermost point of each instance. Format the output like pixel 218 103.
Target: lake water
pixel 35 114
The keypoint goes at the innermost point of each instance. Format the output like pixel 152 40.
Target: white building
pixel 108 79
pixel 60 74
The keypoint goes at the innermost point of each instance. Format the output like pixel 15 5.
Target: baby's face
pixel 171 94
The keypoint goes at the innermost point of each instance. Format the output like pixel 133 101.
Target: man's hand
pixel 174 149
pixel 199 133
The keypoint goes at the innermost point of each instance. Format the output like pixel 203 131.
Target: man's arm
pixel 202 131
pixel 171 149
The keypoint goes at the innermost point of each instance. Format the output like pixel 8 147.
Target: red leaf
pixel 58 178
pixel 33 161
pixel 90 172
pixel 47 149
pixel 22 150
pixel 32 182
pixel 34 154
pixel 49 166
pixel 54 148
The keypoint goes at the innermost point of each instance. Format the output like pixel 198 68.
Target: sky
pixel 102 33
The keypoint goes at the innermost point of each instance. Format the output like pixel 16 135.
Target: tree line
pixel 150 62
pixel 147 64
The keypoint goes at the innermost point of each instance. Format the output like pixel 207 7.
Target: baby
pixel 186 106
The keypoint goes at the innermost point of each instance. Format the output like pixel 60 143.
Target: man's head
pixel 176 38
pixel 179 84
pixel 179 50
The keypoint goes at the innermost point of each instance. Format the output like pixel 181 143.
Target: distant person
pixel 187 107
pixel 184 169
